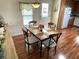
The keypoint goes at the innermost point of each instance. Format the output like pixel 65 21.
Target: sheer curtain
pixel 27 12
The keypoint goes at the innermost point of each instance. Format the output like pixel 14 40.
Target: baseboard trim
pixel 17 35
pixel 76 26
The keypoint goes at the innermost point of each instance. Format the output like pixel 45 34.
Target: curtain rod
pixel 26 2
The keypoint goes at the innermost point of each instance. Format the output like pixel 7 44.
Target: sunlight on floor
pixel 77 40
pixel 61 56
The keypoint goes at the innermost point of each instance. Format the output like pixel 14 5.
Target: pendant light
pixel 35 4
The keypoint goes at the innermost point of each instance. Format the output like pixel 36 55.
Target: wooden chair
pixel 51 25
pixel 32 23
pixel 51 42
pixel 29 40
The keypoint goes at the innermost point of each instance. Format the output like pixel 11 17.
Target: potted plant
pixel 1 48
pixel 1 37
pixel 2 23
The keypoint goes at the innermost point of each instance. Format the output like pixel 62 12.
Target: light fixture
pixel 36 4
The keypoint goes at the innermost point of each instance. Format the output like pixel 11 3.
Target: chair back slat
pixel 51 25
pixel 32 23
pixel 55 37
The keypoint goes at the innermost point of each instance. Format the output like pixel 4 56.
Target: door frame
pixel 61 14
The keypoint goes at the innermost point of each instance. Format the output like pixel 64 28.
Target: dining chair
pixel 29 40
pixel 51 25
pixel 51 42
pixel 32 23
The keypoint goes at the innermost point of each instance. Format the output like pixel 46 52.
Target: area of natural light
pixel 26 13
pixel 61 56
pixel 45 7
pixel 76 40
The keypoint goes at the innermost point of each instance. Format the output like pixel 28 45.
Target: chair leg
pixel 28 49
pixel 41 50
pixel 55 50
pixel 25 47
pixel 48 52
pixel 37 44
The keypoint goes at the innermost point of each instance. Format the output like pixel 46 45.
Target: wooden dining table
pixel 41 35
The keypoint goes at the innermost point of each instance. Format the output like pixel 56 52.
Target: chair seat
pixel 32 40
pixel 52 43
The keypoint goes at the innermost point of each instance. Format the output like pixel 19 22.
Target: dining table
pixel 41 35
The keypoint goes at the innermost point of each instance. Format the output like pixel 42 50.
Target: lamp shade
pixel 36 5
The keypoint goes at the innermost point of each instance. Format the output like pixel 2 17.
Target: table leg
pixel 41 49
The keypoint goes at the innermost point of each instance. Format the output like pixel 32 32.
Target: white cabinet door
pixel 76 21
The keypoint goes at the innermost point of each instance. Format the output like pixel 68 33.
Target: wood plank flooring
pixel 68 47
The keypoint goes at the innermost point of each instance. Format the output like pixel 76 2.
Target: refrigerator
pixel 67 13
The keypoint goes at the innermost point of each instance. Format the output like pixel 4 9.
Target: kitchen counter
pixel 75 15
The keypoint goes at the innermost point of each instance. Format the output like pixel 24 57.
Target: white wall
pixel 46 20
pixel 55 11
pixel 9 9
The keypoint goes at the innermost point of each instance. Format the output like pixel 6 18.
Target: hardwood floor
pixel 68 47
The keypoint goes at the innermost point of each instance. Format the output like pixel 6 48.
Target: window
pixel 45 9
pixel 27 12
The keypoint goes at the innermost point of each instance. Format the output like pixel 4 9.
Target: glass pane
pixel 45 9
pixel 27 13
pixel 26 19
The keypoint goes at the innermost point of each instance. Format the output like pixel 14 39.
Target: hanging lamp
pixel 36 4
